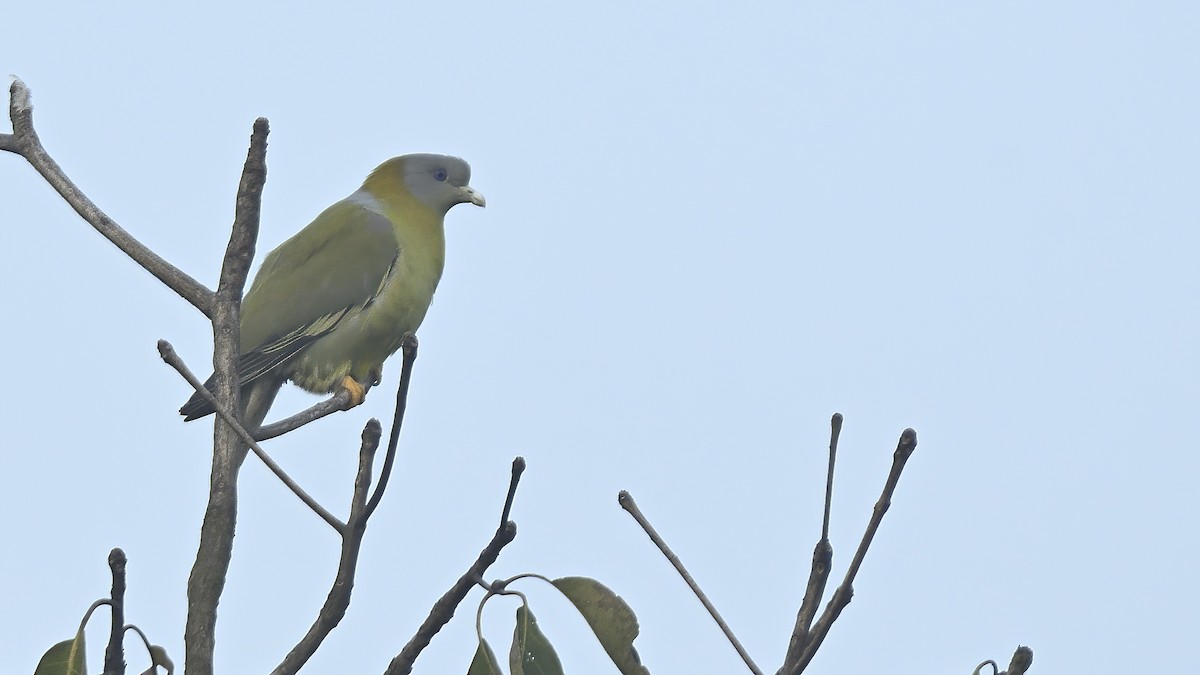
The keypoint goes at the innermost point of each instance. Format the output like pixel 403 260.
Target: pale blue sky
pixel 709 227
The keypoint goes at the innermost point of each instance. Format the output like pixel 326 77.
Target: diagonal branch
pixel 336 403
pixel 24 141
pixel 443 609
pixel 626 501
pixel 172 358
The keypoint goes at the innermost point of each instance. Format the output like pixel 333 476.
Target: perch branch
pixel 408 346
pixel 626 501
pixel 24 141
pixel 336 403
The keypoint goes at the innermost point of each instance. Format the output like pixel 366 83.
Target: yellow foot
pixel 357 393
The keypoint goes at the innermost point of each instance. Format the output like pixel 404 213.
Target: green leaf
pixel 531 653
pixel 485 662
pixel 64 658
pixel 613 622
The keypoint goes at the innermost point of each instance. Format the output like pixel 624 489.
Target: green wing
pixel 311 282
pixel 328 271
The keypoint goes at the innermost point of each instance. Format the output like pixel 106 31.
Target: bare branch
pixel 822 558
pixel 844 593
pixel 207 579
pixel 518 468
pixel 24 141
pixel 835 433
pixel 443 609
pixel 626 501
pixel 408 346
pixel 172 359
pixel 336 403
pixel 338 599
pixel 114 655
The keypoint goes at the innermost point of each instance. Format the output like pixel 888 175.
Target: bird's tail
pixel 197 406
pixel 257 397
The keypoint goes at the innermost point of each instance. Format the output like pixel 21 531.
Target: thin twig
pixel 834 434
pixel 169 355
pixel 114 655
pixel 338 599
pixel 822 558
pixel 626 501
pixel 443 609
pixel 408 346
pixel 845 591
pixel 24 141
pixel 336 403
pixel 207 579
pixel 518 468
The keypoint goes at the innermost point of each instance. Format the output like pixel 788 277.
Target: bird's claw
pixel 356 391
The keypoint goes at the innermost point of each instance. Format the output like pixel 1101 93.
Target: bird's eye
pixel 440 175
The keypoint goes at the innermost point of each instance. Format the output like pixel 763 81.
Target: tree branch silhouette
pixel 24 141
pixel 443 609
pixel 213 556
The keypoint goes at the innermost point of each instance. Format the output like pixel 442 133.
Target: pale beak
pixel 470 195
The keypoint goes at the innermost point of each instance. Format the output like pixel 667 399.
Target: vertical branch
pixel 822 558
pixel 626 501
pixel 207 579
pixel 408 346
pixel 114 655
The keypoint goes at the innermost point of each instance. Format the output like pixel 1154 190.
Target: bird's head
pixel 438 181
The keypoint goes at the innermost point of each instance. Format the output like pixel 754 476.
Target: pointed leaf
pixel 531 653
pixel 485 662
pixel 613 622
pixel 64 658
